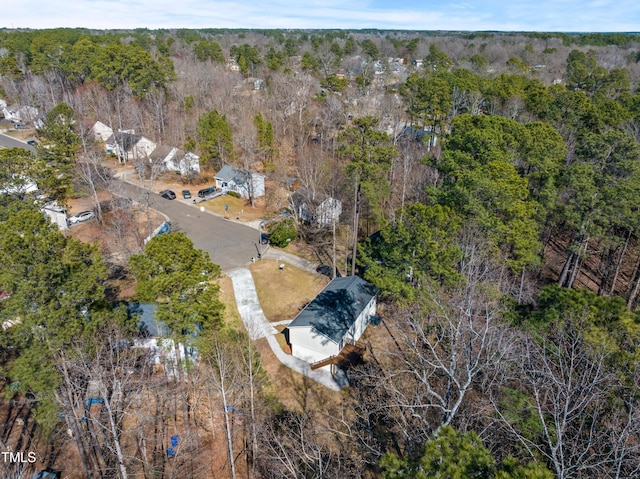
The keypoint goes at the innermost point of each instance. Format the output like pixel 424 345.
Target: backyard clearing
pixel 283 293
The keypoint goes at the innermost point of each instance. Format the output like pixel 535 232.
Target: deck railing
pixel 333 359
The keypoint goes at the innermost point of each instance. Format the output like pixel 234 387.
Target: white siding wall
pixel 310 346
pixel 356 331
pixel 143 148
pixel 242 188
pixel 101 131
pixel 258 185
pixel 306 354
pixel 329 211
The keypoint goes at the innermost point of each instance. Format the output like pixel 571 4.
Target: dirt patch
pixel 293 390
pixel 119 234
pixel 283 293
pixel 593 267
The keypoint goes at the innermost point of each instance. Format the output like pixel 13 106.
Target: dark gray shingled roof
pixel 229 173
pixel 125 140
pixel 336 308
pixel 148 325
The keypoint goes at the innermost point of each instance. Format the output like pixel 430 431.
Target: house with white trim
pixel 329 327
pixel 175 159
pixel 245 183
pixel 129 146
pixel 318 208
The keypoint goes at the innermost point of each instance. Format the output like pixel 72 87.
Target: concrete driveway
pixel 230 244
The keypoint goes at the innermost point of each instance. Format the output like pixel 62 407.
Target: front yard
pixel 283 294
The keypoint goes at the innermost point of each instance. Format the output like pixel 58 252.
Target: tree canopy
pixel 180 278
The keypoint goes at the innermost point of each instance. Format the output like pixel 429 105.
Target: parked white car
pixel 80 217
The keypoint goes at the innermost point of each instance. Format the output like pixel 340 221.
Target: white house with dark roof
pixel 101 131
pixel 155 336
pixel 320 209
pixel 129 147
pixel 332 322
pixel 234 179
pixel 175 159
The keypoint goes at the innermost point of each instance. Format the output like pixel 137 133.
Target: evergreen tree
pixel 215 138
pixel 56 298
pixel 180 278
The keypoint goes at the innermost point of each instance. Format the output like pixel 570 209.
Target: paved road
pixel 10 142
pixel 230 244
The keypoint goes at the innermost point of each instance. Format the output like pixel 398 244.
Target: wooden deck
pixel 350 355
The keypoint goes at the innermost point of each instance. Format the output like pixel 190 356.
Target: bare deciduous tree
pixel 583 433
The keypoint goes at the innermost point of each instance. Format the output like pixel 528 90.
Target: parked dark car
pixel 168 194
pixel 206 192
pixel 32 142
pixel 325 270
pixel 186 194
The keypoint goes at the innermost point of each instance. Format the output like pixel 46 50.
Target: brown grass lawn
pixel 239 209
pixel 227 297
pixel 295 391
pixel 283 294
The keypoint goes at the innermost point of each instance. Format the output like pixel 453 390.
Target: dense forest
pixel 491 192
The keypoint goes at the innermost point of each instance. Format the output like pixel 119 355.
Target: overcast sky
pixel 515 15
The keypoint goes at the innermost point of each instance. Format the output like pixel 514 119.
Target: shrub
pixel 235 194
pixel 281 233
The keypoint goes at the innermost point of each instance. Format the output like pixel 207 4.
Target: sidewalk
pixel 258 327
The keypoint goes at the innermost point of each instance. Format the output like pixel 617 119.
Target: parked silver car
pixel 80 217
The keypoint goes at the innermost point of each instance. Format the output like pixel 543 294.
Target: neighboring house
pixel 258 84
pixel 159 155
pixel 155 336
pixel 101 131
pixel 425 135
pixel 174 159
pixel 320 209
pixel 19 186
pixel 129 147
pixel 233 65
pixel 333 322
pixel 23 114
pixel 57 214
pixel 234 179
